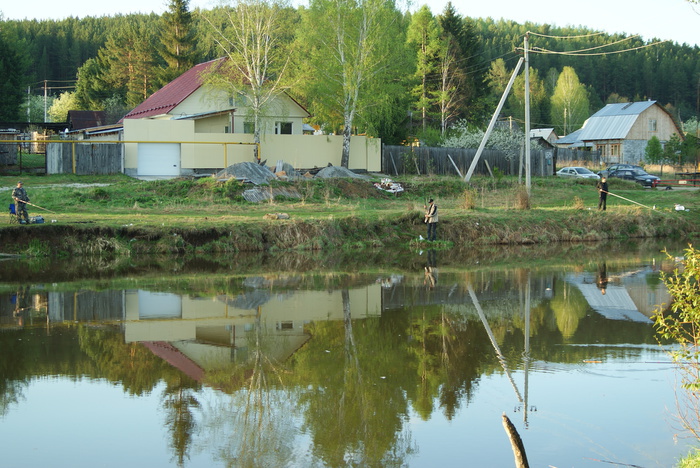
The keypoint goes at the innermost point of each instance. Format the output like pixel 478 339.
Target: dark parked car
pixel 636 175
pixel 615 167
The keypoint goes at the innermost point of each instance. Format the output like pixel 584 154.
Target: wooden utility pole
pixel 527 117
pixel 494 118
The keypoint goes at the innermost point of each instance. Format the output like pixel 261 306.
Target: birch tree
pixel 252 40
pixel 451 94
pixel 349 44
pixel 570 105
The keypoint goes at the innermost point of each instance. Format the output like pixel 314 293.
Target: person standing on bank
pixel 19 195
pixel 602 187
pixel 431 219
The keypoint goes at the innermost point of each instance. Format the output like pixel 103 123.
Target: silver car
pixel 579 172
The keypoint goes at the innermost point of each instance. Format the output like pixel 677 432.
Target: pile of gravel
pixel 248 172
pixel 336 171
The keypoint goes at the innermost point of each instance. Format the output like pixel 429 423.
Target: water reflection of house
pixel 628 295
pixel 213 331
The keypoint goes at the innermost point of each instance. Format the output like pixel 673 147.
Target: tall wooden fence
pixel 84 158
pixel 401 160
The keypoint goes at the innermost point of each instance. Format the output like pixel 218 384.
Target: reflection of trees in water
pixel 179 402
pixel 569 307
pixel 256 427
pixel 354 406
pixel 139 371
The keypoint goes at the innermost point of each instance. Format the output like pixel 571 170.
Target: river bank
pixel 514 227
pixel 122 216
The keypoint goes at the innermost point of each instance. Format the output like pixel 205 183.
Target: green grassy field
pixel 114 200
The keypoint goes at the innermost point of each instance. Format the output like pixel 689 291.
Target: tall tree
pixel 252 39
pixel 451 94
pixel 12 67
pixel 351 48
pixel 129 62
pixel 539 101
pixel 570 106
pixel 424 37
pixel 178 40
pixel 465 46
pixel 58 112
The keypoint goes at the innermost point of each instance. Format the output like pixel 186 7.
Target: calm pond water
pixel 409 360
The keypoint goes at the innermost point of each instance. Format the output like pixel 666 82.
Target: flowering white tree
pixel 462 136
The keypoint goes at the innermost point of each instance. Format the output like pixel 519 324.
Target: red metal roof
pixel 169 96
pixel 175 358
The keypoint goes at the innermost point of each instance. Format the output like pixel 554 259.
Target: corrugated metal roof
pixel 169 96
pixel 614 121
pixel 570 139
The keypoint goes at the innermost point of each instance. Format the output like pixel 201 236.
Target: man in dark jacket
pixel 19 195
pixel 431 219
pixel 602 187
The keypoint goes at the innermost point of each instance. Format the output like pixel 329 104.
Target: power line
pixel 579 53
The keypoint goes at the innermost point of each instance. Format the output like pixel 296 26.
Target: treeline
pixel 446 68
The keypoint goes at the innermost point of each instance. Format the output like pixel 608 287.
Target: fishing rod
pixel 37 206
pixel 631 201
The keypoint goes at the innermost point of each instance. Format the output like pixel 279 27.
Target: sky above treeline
pixel 674 20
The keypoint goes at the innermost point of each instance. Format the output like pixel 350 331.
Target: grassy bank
pixel 118 214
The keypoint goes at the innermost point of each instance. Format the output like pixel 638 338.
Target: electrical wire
pixel 577 53
pixel 565 37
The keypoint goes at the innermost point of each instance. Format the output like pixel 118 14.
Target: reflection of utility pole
pixel 526 352
pixel 492 337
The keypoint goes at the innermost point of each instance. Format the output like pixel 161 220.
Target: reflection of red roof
pixel 169 96
pixel 175 358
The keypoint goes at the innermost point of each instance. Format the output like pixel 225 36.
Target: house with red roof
pixel 217 110
pixel 191 127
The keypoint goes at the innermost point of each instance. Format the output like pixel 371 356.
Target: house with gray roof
pixel 621 131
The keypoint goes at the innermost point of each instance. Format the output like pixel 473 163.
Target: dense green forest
pixel 432 69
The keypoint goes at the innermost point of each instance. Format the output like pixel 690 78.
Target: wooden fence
pixel 84 158
pixel 401 160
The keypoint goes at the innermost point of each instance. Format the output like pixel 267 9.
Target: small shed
pixel 8 151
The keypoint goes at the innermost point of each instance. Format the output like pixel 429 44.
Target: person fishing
pixel 602 187
pixel 19 195
pixel 431 219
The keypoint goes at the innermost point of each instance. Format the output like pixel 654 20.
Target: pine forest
pixel 414 75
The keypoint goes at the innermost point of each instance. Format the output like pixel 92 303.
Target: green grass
pixel 121 200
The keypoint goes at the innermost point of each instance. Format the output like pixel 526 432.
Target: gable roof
pixel 541 133
pixel 172 94
pixel 614 121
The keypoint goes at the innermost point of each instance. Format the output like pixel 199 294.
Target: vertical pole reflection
pixel 500 356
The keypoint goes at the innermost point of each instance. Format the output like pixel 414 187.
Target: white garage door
pixel 159 159
pixel 159 305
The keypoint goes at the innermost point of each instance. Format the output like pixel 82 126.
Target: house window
pixel 652 125
pixel 615 150
pixel 249 127
pixel 283 128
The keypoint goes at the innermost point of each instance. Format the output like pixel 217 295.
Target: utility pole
pixel 527 116
pixel 45 97
pixel 494 118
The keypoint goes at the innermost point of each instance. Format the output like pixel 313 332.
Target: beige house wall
pixel 206 100
pixel 197 313
pixel 665 127
pixel 205 151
